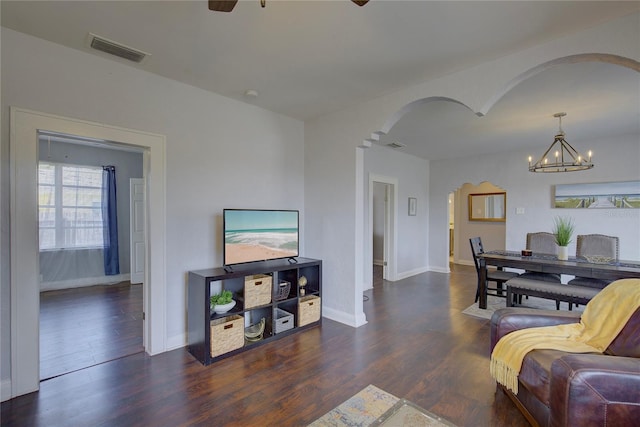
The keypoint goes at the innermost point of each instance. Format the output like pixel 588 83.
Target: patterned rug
pixel 375 407
pixel 494 303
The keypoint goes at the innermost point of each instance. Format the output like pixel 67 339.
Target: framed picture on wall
pixel 413 206
pixel 607 195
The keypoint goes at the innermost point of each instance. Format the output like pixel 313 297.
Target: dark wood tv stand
pixel 200 317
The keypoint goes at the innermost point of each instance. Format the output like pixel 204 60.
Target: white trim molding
pixel 25 283
pixel 344 318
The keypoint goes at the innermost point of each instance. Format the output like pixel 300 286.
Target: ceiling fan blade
pixel 360 2
pixel 222 5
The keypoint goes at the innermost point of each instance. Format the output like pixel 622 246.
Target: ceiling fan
pixel 228 5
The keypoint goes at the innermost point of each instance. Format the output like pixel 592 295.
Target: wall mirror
pixel 488 207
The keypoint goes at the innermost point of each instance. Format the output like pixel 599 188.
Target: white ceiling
pixel 600 99
pixel 307 58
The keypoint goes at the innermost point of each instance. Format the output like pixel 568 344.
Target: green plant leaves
pixel 563 230
pixel 223 297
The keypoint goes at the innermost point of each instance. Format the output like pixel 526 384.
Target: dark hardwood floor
pixel 417 345
pixel 85 326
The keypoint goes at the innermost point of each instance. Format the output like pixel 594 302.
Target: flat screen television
pixel 252 235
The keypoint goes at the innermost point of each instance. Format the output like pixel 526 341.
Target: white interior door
pixel 136 192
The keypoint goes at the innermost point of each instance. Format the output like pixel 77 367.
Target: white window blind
pixel 69 206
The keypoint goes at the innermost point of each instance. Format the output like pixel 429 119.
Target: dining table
pixel 549 263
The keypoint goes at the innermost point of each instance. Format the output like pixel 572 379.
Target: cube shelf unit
pixel 204 283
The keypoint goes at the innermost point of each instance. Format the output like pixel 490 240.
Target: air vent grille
pixel 117 49
pixel 395 145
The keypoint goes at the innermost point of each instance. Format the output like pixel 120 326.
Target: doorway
pixel 452 210
pixel 382 226
pixel 25 124
pixel 493 233
pixel 380 236
pixel 88 316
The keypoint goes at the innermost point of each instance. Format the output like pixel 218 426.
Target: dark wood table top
pixel 547 263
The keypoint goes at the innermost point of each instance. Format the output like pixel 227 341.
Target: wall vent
pixel 117 49
pixel 395 145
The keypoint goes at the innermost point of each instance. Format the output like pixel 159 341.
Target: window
pixel 69 206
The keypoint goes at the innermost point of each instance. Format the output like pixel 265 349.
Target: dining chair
pixel 499 276
pixel 596 245
pixel 541 242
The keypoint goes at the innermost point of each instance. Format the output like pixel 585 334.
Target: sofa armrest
pixel 506 320
pixel 594 389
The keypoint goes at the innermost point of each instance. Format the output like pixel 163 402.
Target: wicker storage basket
pixel 282 292
pixel 284 321
pixel 257 290
pixel 227 334
pixel 308 310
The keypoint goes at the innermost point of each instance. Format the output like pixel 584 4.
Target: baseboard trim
pixel 413 272
pixel 5 390
pixel 421 270
pixel 344 318
pixel 177 341
pixel 88 281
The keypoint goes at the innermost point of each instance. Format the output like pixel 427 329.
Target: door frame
pixel 25 284
pixel 391 225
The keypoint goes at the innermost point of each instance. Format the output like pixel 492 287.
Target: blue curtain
pixel 110 221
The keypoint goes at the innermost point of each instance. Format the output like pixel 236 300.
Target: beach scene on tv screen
pixel 260 235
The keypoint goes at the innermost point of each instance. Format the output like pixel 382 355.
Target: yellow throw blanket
pixel 603 319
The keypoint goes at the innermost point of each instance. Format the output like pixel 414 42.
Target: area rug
pixel 375 407
pixel 360 410
pixel 494 303
pixel 407 414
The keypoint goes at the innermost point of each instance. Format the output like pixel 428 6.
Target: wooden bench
pixel 571 294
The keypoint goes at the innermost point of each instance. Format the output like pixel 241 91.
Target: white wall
pixel 220 153
pixel 331 170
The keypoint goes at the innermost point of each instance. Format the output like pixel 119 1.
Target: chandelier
pixel 565 157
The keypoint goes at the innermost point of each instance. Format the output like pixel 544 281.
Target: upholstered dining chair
pixel 541 242
pixel 588 245
pixel 498 276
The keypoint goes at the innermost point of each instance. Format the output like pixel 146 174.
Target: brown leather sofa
pixel 556 388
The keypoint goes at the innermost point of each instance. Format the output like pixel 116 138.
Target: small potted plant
pixel 222 302
pixel 563 230
pixel 302 282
